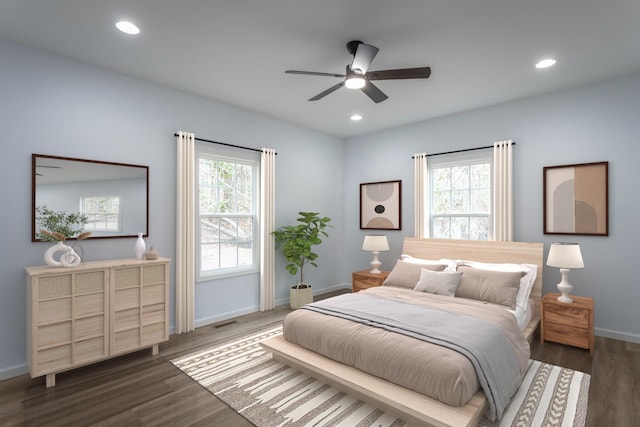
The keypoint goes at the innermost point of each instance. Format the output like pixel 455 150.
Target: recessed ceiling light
pixel 127 27
pixel 546 63
pixel 356 117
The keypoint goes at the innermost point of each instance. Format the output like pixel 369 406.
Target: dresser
pixel 570 324
pixel 97 310
pixel 365 279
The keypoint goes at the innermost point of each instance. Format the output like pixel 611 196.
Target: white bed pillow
pixel 406 274
pixel 526 282
pixel 438 282
pixel 450 265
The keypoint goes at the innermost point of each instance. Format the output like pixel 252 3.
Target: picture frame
pixel 381 205
pixel 576 199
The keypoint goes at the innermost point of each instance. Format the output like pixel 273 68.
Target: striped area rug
pixel 270 394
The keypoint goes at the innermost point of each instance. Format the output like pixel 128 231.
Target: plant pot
pixel 299 295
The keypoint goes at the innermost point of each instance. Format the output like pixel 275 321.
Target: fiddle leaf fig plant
pixel 297 241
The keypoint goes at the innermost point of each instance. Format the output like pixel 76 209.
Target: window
pixel 103 213
pixel 461 196
pixel 226 227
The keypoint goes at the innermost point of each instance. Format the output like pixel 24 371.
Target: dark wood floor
pixel 141 389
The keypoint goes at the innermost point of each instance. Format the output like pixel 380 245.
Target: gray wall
pixel 54 106
pixel 598 122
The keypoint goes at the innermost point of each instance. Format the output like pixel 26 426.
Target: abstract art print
pixel 576 199
pixel 380 205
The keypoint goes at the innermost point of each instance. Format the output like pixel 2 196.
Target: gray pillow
pixel 407 274
pixel 499 287
pixel 438 282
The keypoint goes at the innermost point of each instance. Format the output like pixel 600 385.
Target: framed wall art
pixel 576 199
pixel 380 205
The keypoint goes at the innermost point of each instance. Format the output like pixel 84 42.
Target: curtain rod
pixel 462 151
pixel 228 145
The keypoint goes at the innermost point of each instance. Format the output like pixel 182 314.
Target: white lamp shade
pixel 375 243
pixel 565 255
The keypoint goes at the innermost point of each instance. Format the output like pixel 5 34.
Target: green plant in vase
pixel 297 241
pixel 59 226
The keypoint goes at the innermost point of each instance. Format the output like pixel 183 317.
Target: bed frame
pixel 413 407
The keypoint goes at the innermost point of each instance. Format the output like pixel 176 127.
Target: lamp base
pixel 565 287
pixel 375 264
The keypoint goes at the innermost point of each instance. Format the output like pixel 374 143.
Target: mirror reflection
pixel 114 196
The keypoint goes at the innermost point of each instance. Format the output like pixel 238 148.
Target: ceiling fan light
pixel 355 82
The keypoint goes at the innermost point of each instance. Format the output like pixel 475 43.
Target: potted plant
pixel 58 226
pixel 297 242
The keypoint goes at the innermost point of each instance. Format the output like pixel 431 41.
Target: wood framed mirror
pixel 114 196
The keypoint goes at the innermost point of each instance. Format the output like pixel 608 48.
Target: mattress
pixel 427 368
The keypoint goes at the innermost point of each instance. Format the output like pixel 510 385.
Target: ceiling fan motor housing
pixel 352 46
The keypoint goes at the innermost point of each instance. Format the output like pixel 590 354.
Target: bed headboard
pixel 483 251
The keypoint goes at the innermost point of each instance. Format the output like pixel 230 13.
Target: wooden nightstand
pixel 570 324
pixel 365 279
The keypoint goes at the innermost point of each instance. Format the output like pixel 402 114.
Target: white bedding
pixel 524 316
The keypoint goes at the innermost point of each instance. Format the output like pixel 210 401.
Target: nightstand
pixel 570 324
pixel 365 279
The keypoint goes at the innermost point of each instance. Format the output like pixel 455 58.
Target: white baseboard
pixel 617 335
pixel 225 316
pixel 13 371
pixel 233 314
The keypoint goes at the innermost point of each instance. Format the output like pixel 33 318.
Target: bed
pixel 394 391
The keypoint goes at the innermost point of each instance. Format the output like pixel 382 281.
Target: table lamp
pixel 375 244
pixel 565 256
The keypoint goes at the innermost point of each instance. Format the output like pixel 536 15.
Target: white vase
pixel 69 257
pixel 140 247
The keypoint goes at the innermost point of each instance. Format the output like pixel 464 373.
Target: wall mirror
pixel 114 196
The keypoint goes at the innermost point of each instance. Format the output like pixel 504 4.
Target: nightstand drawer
pixel 577 317
pixel 568 323
pixel 564 334
pixel 368 282
pixel 365 279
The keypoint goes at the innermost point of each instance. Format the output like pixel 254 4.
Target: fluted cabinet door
pixel 94 311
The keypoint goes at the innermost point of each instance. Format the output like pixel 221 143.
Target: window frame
pixel 204 150
pixel 481 156
pixel 83 200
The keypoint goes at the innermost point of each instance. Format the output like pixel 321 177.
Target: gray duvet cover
pixel 415 360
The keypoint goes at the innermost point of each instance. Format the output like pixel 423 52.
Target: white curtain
pixel 503 190
pixel 421 197
pixel 185 232
pixel 267 227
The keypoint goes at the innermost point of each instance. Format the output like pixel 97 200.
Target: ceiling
pixel 481 52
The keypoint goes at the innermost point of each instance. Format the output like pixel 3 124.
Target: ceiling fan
pixel 358 77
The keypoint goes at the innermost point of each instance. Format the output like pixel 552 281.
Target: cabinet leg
pixel 155 350
pixel 51 380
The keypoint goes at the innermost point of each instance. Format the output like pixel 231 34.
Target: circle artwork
pixel 380 205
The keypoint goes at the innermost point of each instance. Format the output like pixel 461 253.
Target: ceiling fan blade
pixel 327 92
pixel 313 73
pixel 403 73
pixel 374 93
pixel 363 57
